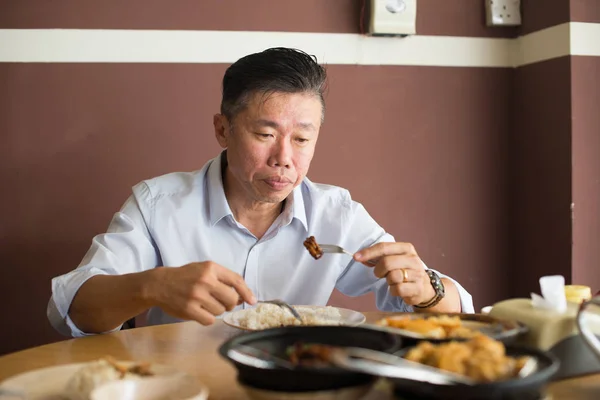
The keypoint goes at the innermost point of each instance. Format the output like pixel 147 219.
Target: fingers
pixel 199 314
pixel 402 268
pixel 236 281
pixel 226 295
pixel 383 249
pixel 403 275
pixel 411 263
pixel 212 304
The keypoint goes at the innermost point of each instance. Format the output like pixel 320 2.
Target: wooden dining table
pixel 193 348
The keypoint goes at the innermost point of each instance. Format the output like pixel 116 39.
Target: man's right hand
pixel 199 291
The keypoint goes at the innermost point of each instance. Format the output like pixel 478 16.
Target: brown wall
pixel 431 168
pixel 585 75
pixel 555 168
pixel 540 164
pixel 447 18
pixel 542 14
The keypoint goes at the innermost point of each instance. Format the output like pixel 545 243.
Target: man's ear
pixel 221 130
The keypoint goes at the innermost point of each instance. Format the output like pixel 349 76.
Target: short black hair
pixel 277 69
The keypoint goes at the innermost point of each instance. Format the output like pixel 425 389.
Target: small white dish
pixel 175 387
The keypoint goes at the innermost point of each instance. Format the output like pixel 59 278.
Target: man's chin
pixel 274 197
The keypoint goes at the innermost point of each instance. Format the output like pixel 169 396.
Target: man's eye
pixel 301 140
pixel 264 135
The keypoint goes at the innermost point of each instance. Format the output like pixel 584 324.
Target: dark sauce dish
pixel 277 342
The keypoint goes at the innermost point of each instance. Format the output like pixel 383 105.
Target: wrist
pixel 436 286
pixel 428 295
pixel 149 286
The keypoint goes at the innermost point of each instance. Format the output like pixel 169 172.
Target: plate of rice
pixel 265 316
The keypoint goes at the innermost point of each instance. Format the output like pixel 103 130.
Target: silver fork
pixel 283 304
pixel 332 248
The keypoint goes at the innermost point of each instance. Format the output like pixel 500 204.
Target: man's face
pixel 270 145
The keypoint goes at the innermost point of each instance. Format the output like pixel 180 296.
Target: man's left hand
pixel 402 268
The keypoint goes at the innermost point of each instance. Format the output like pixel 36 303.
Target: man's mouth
pixel 278 182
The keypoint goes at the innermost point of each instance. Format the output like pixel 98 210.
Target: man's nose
pixel 282 153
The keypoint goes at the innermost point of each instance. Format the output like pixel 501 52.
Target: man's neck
pixel 257 220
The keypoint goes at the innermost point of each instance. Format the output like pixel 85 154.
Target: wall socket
pixel 503 12
pixel 393 17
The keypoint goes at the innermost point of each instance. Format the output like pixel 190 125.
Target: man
pixel 192 246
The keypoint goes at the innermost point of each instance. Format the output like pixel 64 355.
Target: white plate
pixel 49 383
pixel 350 393
pixel 154 388
pixel 348 317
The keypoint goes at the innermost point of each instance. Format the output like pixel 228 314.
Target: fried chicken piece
pixel 481 358
pixel 140 369
pixel 461 332
pixel 452 357
pixel 494 348
pixel 484 368
pixel 421 352
pixel 425 327
pixel 313 247
pixel 446 321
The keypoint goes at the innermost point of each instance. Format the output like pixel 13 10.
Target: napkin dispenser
pixel 554 328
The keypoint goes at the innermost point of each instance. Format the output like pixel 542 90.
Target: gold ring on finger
pixel 404 275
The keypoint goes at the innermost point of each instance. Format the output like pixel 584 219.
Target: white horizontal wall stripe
pixel 73 45
pixel 585 39
pixel 543 45
pixel 165 46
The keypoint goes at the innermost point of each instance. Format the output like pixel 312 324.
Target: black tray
pixel 275 341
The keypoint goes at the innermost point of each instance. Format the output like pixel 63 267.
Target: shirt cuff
pixel 64 289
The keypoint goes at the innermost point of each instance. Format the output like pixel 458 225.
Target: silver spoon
pixel 257 358
pixel 391 366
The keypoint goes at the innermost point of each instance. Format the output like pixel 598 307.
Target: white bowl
pixel 175 387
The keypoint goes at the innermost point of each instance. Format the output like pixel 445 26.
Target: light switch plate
pixel 393 17
pixel 503 12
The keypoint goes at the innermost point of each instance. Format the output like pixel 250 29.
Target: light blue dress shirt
pixel 182 218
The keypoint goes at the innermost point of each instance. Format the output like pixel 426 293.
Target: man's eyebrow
pixel 267 123
pixel 306 126
pixel 272 124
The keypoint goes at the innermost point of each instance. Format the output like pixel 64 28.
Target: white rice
pixel 270 316
pixel 91 376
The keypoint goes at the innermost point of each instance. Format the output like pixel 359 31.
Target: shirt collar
pixel 219 207
pixel 294 207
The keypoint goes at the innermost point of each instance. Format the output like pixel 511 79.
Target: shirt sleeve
pixel 357 279
pixel 126 247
